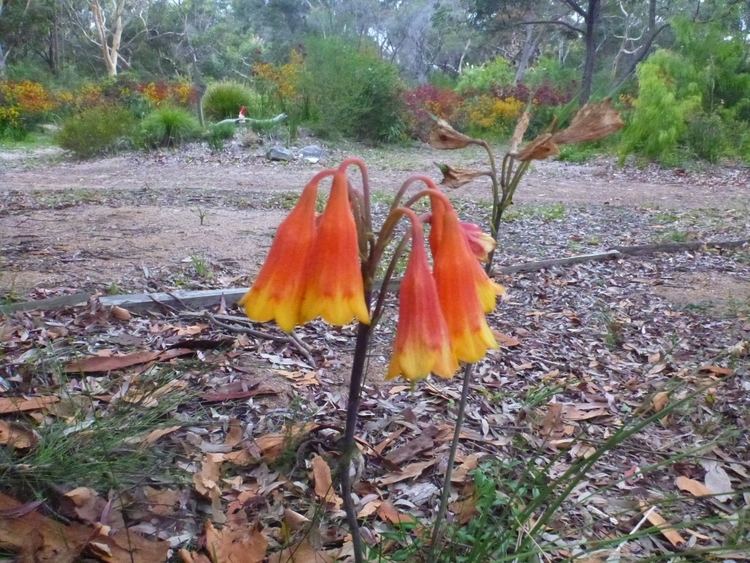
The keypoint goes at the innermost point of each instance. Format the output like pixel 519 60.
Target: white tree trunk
pixel 109 35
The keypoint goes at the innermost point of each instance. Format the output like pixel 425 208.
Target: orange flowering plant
pixel 324 267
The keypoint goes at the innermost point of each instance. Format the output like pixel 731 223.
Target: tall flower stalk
pixel 324 267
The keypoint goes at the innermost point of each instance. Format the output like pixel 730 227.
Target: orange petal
pixel 422 341
pixel 335 290
pixel 278 290
pixel 464 289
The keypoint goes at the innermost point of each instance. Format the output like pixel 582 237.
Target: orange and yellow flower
pixel 335 289
pixel 465 290
pixel 278 291
pixel 422 344
pixel 480 243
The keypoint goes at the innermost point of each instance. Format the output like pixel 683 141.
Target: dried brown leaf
pixel 506 340
pixel 672 535
pixel 154 436
pixel 324 483
pixel 593 121
pixel 302 552
pixel 389 440
pixel 16 436
pixel 660 400
pixel 295 520
pixel 457 177
pixel 121 314
pixel 444 136
pixel 520 130
pixel 461 473
pixel 235 434
pixel 236 542
pixel 695 488
pixel 413 448
pixel 22 404
pixel 38 538
pixel 369 508
pixel 717 370
pixel 388 513
pixel 409 472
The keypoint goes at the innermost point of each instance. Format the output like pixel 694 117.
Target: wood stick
pixel 252 121
pixel 208 297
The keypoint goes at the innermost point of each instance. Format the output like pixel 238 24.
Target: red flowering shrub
pixel 427 99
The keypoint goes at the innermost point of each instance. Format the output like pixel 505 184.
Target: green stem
pixel 348 447
pixel 437 529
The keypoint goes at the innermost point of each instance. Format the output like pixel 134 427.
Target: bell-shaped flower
pixel 465 290
pixel 280 286
pixel 334 289
pixel 476 243
pixel 481 243
pixel 423 345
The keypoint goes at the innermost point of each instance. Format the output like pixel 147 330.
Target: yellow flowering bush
pixel 492 114
pixel 282 81
pixel 23 103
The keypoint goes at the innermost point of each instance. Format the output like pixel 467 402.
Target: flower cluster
pixel 317 268
pixel 492 113
pixel 173 93
pixel 23 103
pixel 283 81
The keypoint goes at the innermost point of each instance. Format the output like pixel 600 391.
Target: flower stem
pixel 348 447
pixel 437 529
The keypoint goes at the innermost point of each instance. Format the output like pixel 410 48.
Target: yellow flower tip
pixel 422 343
pixel 334 288
pixel 278 290
pixel 471 346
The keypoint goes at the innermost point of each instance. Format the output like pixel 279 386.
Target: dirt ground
pixel 124 219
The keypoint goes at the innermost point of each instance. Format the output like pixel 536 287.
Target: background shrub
pixel 223 100
pixel 352 92
pixel 705 136
pixel 659 120
pixel 23 104
pixel 217 134
pixel 496 73
pixel 491 115
pixel 98 130
pixel 168 127
pixel 426 100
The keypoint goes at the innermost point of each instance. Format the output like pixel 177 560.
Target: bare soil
pixel 123 220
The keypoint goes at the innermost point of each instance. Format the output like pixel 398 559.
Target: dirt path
pixel 140 221
pixel 600 182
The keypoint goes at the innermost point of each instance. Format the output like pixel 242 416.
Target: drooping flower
pixel 280 287
pixel 334 289
pixel 475 240
pixel 464 289
pixel 422 344
pixel 481 243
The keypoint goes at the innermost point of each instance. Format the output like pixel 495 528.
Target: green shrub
pixel 352 92
pixel 550 70
pixel 662 109
pixel 168 127
pixel 495 73
pixel 705 136
pixel 98 130
pixel 217 134
pixel 224 99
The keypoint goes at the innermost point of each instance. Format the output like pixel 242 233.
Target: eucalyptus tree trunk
pixel 109 34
